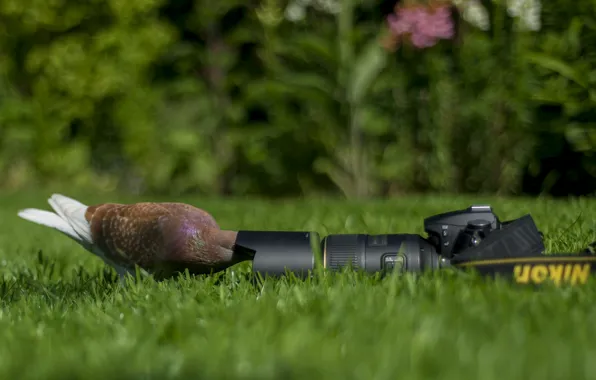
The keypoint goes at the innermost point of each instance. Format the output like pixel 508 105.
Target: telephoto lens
pixel 277 253
pixel 379 253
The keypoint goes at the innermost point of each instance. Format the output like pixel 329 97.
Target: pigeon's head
pixel 198 248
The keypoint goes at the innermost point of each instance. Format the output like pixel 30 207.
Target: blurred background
pixel 278 98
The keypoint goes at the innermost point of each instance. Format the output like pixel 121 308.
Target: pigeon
pixel 161 239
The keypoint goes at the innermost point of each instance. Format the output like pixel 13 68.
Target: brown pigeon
pixel 162 239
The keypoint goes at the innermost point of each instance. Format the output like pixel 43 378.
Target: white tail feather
pixel 73 212
pixel 49 219
pixel 70 220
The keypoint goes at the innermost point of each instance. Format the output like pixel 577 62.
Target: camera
pixel 474 232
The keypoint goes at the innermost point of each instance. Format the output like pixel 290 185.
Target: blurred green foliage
pixel 281 98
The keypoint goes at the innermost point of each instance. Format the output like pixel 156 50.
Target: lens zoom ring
pixel 342 250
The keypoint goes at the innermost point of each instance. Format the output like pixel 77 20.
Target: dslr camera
pixel 452 237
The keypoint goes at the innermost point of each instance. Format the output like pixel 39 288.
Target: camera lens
pixel 373 253
pixel 342 250
pixel 278 252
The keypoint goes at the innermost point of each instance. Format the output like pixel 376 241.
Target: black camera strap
pixel 517 252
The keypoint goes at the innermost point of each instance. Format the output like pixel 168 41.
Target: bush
pixel 282 98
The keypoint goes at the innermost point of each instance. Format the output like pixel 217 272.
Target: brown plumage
pixel 160 238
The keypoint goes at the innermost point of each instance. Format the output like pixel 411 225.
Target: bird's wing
pixel 195 215
pixel 128 234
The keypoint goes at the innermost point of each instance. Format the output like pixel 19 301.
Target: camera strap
pixel 517 252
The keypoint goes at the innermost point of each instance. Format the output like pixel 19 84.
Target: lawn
pixel 64 316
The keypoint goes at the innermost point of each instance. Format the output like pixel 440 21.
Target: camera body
pixel 455 231
pixel 449 235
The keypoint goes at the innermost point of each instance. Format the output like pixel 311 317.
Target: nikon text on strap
pixel 517 252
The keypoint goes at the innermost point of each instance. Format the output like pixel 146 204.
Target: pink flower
pixel 424 25
pixel 422 41
pixel 399 25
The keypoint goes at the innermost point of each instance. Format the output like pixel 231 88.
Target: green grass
pixel 63 316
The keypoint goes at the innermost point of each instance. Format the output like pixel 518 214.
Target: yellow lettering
pixel 580 273
pixel 568 268
pixel 556 273
pixel 521 273
pixel 539 273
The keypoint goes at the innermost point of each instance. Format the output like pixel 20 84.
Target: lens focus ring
pixel 342 250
